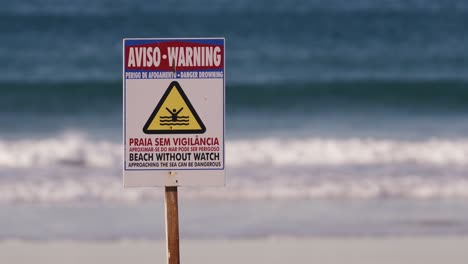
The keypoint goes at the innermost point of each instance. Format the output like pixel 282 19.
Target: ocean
pixel 342 119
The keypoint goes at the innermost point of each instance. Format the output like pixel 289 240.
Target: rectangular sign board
pixel 173 112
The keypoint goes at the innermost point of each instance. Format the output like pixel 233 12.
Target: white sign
pixel 173 112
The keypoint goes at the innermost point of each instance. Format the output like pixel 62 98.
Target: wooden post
pixel 172 225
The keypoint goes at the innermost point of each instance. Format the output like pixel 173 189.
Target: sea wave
pixel 109 189
pixel 68 150
pixel 354 151
pixel 299 99
pixel 73 167
pixel 76 150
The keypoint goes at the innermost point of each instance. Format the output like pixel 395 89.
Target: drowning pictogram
pixel 174 114
pixel 174 119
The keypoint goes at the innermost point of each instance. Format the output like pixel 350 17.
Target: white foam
pixel 357 151
pixel 110 189
pixel 78 150
pixel 67 150
pixel 43 170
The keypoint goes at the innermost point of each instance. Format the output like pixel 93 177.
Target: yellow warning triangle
pixel 174 114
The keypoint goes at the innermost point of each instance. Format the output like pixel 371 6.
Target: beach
pixel 411 250
pixel 346 133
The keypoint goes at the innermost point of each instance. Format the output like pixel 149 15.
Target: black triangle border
pixel 160 103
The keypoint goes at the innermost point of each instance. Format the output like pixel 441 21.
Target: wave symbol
pixel 174 124
pixel 177 121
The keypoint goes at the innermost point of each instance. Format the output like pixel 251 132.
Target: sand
pixel 451 250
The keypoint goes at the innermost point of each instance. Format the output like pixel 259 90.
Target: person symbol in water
pixel 174 113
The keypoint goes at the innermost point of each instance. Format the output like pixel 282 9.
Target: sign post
pixel 172 225
pixel 174 118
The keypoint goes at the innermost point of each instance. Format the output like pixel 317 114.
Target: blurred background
pixel 344 119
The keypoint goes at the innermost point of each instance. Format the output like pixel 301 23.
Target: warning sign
pixel 173 112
